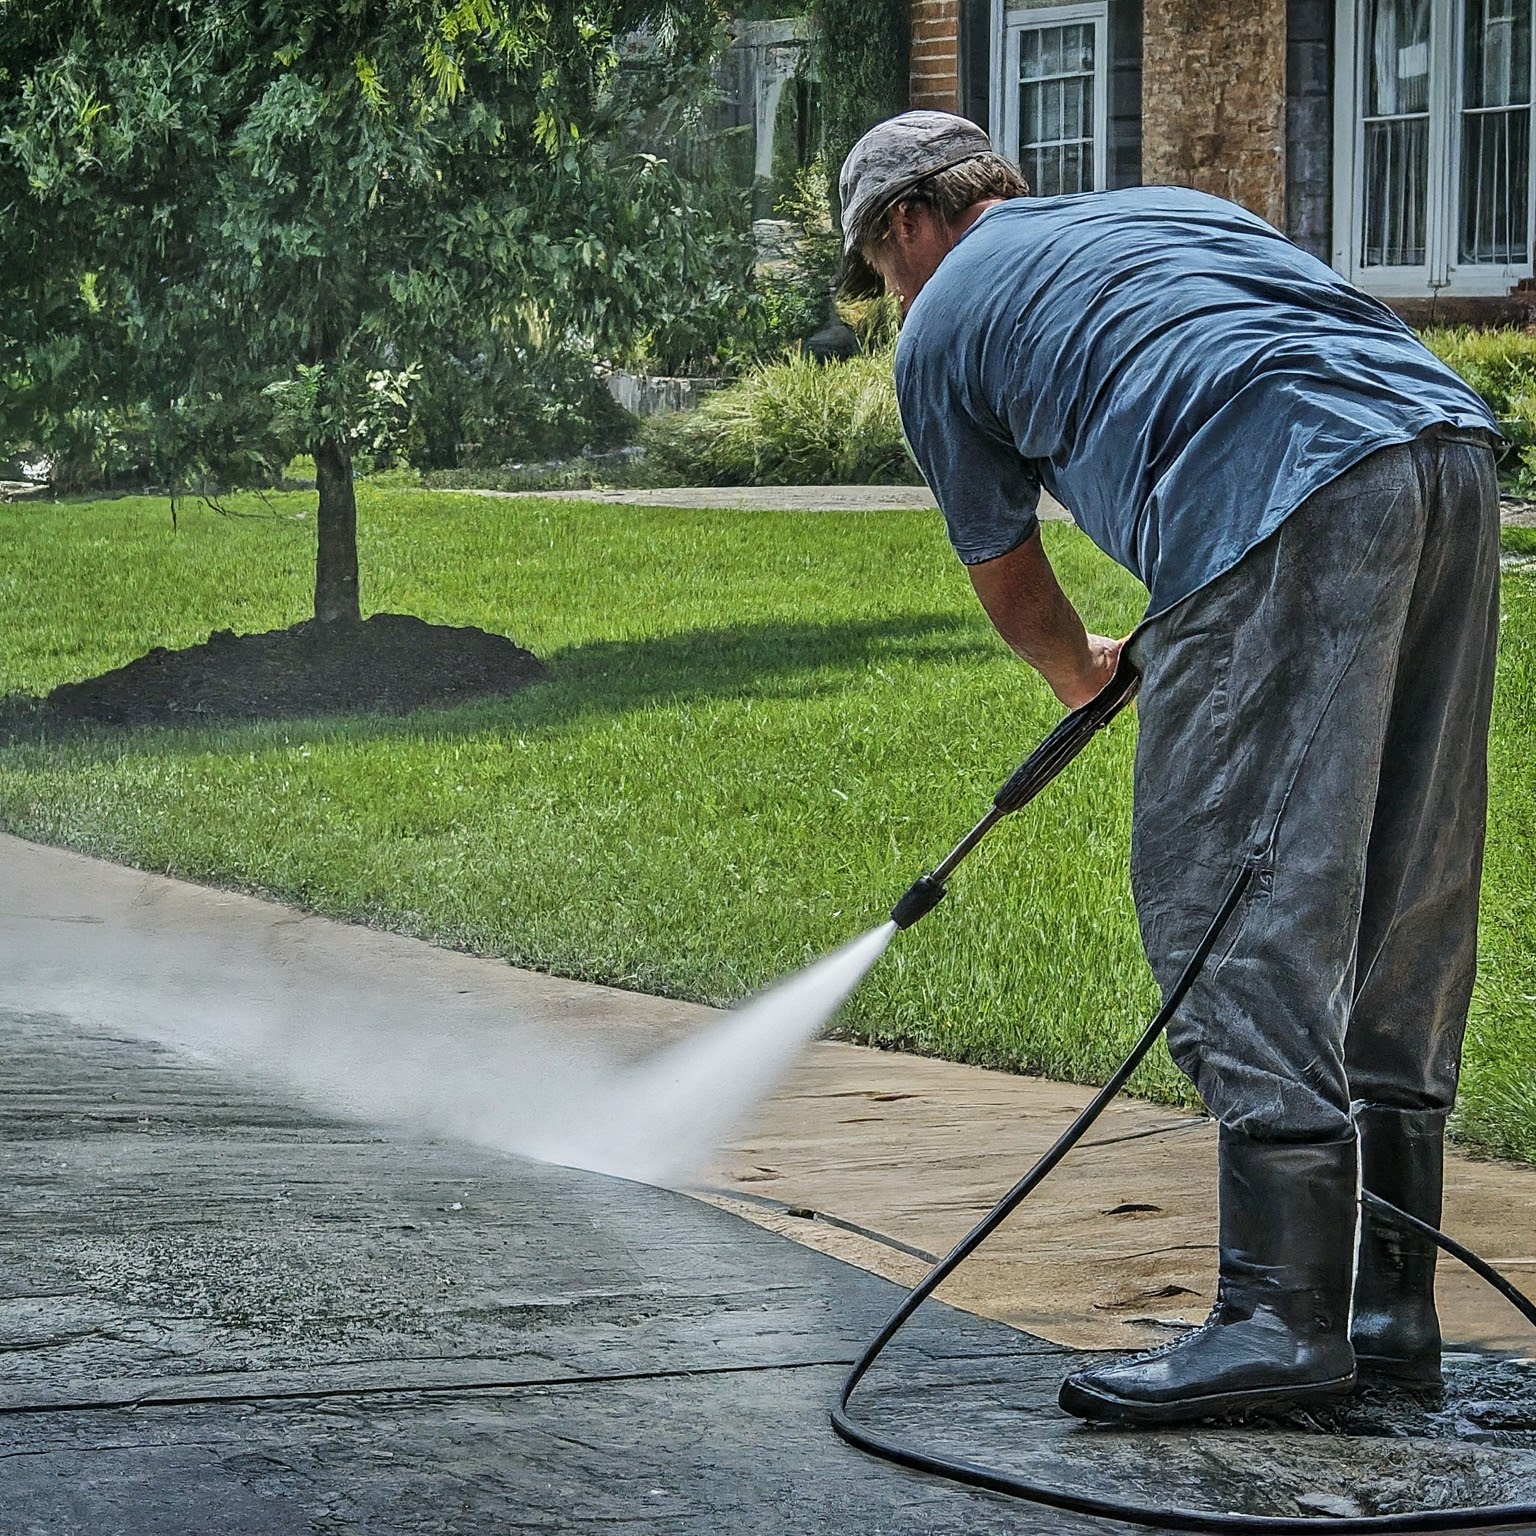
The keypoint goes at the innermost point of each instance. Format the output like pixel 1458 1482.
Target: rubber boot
pixel 1279 1332
pixel 1396 1331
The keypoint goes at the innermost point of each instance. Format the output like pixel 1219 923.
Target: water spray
pixel 1053 754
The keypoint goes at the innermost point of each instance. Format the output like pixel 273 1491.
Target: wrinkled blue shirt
pixel 1169 367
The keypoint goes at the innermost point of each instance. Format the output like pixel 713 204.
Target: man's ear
pixel 902 223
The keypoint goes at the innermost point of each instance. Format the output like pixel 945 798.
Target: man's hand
pixel 1102 658
pixel 1025 602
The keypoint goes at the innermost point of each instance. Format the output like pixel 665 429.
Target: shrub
pixel 1501 366
pixel 491 403
pixel 798 422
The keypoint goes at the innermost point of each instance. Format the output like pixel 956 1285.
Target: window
pixel 1053 95
pixel 1433 181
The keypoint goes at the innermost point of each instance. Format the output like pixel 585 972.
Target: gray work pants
pixel 1321 711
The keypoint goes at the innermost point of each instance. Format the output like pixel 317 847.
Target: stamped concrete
pixel 220 1311
pixel 256 1274
pixel 223 1312
pixel 907 1151
pixel 1118 1246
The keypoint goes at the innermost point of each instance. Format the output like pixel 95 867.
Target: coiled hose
pixel 1054 753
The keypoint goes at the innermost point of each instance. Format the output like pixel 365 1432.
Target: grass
pixel 759 728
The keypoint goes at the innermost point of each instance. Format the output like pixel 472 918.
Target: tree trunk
pixel 336 557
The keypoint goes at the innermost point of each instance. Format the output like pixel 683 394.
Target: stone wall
pixel 935 54
pixel 1213 99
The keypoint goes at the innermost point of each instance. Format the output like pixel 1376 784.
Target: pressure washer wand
pixel 1071 734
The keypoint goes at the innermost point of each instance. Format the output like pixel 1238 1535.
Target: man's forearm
pixel 1030 611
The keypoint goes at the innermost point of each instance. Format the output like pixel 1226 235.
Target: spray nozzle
pixel 922 896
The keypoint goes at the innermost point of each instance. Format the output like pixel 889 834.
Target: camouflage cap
pixel 891 159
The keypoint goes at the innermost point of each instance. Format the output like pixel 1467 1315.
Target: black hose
pixel 1169 1518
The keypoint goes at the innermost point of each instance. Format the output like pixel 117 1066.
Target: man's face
pixel 916 241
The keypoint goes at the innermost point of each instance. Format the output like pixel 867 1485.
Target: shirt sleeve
pixel 987 490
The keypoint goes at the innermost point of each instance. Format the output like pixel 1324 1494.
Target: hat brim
pixel 856 279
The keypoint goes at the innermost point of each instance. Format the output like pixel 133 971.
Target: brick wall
pixel 935 54
pixel 1213 99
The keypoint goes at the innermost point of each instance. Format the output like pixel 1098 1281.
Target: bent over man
pixel 1309 498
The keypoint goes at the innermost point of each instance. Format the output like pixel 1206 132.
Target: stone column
pixel 1213 99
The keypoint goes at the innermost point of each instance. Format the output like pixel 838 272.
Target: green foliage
pixel 796 422
pixel 795 291
pixel 1500 365
pixel 226 225
pixel 862 52
pixel 747 748
pixel 498 404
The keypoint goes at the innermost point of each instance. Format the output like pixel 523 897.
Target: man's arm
pixel 1029 610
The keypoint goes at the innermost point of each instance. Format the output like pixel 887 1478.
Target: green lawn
pixel 760 727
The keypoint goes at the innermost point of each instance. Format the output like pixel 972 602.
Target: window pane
pixel 1032 162
pixel 1076 118
pixel 1495 187
pixel 1396 171
pixel 1074 164
pixel 1496 53
pixel 1078 49
pixel 1394 195
pixel 1050 51
pixel 1056 107
pixel 1397 57
pixel 1029 54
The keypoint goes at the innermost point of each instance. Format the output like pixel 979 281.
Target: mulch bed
pixel 389 664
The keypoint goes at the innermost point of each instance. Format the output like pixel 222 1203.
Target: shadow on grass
pixel 585 682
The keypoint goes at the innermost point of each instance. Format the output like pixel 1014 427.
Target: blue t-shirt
pixel 1168 366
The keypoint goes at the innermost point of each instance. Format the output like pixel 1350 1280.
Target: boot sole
pixel 1106 1408
pixel 1422 1374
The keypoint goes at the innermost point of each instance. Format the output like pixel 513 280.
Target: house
pixel 1392 138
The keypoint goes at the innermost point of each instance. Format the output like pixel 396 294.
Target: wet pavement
pixel 229 1304
pixel 222 1309
pixel 223 1312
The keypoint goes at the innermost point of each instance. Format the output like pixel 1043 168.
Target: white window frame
pixel 1441 272
pixel 1007 24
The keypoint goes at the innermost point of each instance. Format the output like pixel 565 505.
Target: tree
pixel 256 222
pixel 862 49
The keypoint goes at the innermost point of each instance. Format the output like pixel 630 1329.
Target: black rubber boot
pixel 1396 1331
pixel 1279 1333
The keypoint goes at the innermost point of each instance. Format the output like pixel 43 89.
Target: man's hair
pixel 950 192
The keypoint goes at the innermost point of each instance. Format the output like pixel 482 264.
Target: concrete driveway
pixel 267 1264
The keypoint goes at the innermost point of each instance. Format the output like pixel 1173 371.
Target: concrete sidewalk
pixel 775 498
pixel 265 1269
pixel 895 1155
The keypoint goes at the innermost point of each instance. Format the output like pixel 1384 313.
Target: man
pixel 1309 498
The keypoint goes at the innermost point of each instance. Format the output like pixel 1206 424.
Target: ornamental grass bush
pixel 795 422
pixel 1501 366
pixel 799 422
